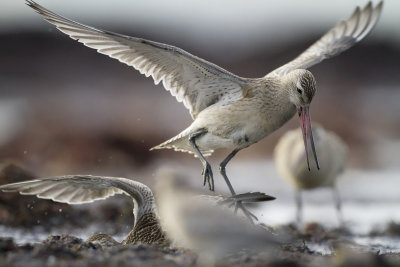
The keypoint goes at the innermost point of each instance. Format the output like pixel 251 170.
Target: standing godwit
pixel 79 189
pixel 228 111
pixel 289 160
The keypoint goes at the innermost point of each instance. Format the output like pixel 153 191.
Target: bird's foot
pixel 246 212
pixel 208 176
pixel 250 197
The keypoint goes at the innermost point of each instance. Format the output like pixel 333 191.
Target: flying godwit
pixel 228 111
pixel 289 160
pixel 79 189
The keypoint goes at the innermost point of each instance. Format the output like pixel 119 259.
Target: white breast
pixel 290 158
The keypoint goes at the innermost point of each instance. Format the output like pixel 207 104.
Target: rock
pixel 7 244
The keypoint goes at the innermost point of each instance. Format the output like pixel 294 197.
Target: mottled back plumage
pixel 148 231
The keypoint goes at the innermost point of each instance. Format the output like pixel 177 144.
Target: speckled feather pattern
pixel 148 231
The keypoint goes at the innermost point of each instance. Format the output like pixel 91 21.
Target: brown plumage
pixel 147 230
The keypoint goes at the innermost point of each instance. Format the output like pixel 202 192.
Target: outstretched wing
pixel 79 189
pixel 192 80
pixel 71 189
pixel 340 38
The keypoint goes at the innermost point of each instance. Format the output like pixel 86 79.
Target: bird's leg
pixel 299 205
pixel 222 169
pixel 338 205
pixel 239 205
pixel 207 171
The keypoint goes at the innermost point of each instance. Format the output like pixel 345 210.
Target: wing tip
pixel 5 190
pixel 30 3
pixel 374 15
pixel 378 8
pixel 34 5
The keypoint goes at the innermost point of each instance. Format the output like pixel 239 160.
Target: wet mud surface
pixel 313 246
pixel 25 221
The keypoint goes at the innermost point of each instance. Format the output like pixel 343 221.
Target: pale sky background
pixel 204 21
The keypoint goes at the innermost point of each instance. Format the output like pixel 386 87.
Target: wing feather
pixel 72 189
pixel 79 189
pixel 337 40
pixel 173 66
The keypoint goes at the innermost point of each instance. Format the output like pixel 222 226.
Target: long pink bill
pixel 305 122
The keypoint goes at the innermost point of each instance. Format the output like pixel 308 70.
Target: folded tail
pixel 181 143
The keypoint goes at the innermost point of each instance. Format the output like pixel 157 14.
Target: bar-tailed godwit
pixel 289 160
pixel 228 111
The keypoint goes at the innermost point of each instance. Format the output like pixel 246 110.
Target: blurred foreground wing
pixel 190 79
pixel 340 38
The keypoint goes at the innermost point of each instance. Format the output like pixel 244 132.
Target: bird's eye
pixel 299 91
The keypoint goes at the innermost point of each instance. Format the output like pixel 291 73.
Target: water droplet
pixel 25 152
pixel 59 210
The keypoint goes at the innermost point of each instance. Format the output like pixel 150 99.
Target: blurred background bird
pixel 290 162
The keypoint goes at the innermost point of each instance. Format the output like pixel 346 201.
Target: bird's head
pixel 302 88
